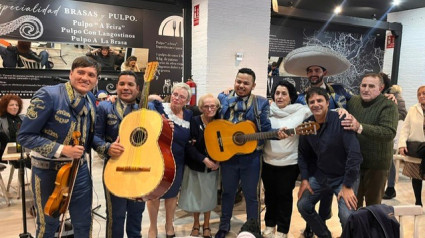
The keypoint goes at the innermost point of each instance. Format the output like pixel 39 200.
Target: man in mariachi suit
pixel 239 106
pixel 108 120
pixel 55 112
pixel 316 62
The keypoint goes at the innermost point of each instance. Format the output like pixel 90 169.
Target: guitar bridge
pixel 133 169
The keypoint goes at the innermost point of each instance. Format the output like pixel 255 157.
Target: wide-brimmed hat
pixel 298 60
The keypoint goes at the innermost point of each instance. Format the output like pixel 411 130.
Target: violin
pixel 59 200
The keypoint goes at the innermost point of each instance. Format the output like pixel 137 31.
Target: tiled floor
pixel 11 216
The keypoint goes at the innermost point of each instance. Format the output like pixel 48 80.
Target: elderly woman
pixel 280 160
pixel 10 120
pixel 199 186
pixel 174 111
pixel 130 64
pixel 413 130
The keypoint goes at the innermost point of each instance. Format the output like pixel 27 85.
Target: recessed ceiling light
pixel 338 10
pixel 396 2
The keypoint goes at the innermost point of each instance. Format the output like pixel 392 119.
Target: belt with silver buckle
pixel 51 164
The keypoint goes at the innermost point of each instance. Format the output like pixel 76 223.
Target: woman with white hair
pixel 199 187
pixel 174 111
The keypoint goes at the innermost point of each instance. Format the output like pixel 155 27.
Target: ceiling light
pixel 338 10
pixel 396 2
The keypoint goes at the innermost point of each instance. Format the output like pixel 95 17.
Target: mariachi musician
pixel 108 120
pixel 54 114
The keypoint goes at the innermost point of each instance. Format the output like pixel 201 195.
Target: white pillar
pixel 226 28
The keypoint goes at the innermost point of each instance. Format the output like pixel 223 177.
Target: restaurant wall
pixel 226 28
pixel 412 59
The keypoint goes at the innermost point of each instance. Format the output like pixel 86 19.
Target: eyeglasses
pixel 209 107
pixel 181 97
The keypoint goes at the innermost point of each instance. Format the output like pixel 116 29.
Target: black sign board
pixel 71 21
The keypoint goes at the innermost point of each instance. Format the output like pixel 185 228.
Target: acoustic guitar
pixel 146 168
pixel 224 139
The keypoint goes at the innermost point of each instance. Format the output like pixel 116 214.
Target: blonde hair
pixel 208 95
pixel 420 87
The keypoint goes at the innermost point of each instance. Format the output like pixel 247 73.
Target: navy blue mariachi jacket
pixel 338 96
pixel 50 121
pixel 108 120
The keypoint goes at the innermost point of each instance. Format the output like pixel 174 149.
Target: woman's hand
pixel 210 164
pixel 170 122
pixel 391 97
pixel 403 150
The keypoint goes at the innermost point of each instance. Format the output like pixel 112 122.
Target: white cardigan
pixel 412 129
pixel 284 152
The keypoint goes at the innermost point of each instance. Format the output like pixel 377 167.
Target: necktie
pixel 128 109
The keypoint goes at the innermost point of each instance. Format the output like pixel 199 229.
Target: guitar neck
pixel 267 135
pixel 145 93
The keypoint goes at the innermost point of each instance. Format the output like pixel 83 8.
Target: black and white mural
pixel 364 51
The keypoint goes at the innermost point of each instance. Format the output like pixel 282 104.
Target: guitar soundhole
pixel 138 136
pixel 238 138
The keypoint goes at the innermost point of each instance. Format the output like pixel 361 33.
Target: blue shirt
pixel 332 153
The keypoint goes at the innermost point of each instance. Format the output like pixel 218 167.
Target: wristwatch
pixel 359 131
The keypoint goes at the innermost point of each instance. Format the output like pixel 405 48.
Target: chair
pixel 30 64
pixel 3 188
pixel 402 211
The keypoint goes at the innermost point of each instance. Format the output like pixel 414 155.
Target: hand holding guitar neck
pixel 282 133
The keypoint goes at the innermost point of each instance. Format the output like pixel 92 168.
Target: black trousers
pixel 279 182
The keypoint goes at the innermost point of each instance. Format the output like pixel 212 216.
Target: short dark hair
pixel 316 90
pixel 85 61
pixel 375 75
pixel 387 81
pixel 131 73
pixel 291 89
pixel 323 68
pixel 274 64
pixel 247 71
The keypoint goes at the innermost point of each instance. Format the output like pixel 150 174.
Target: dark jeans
pixel 307 201
pixel 44 59
pixel 279 182
pixel 247 171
